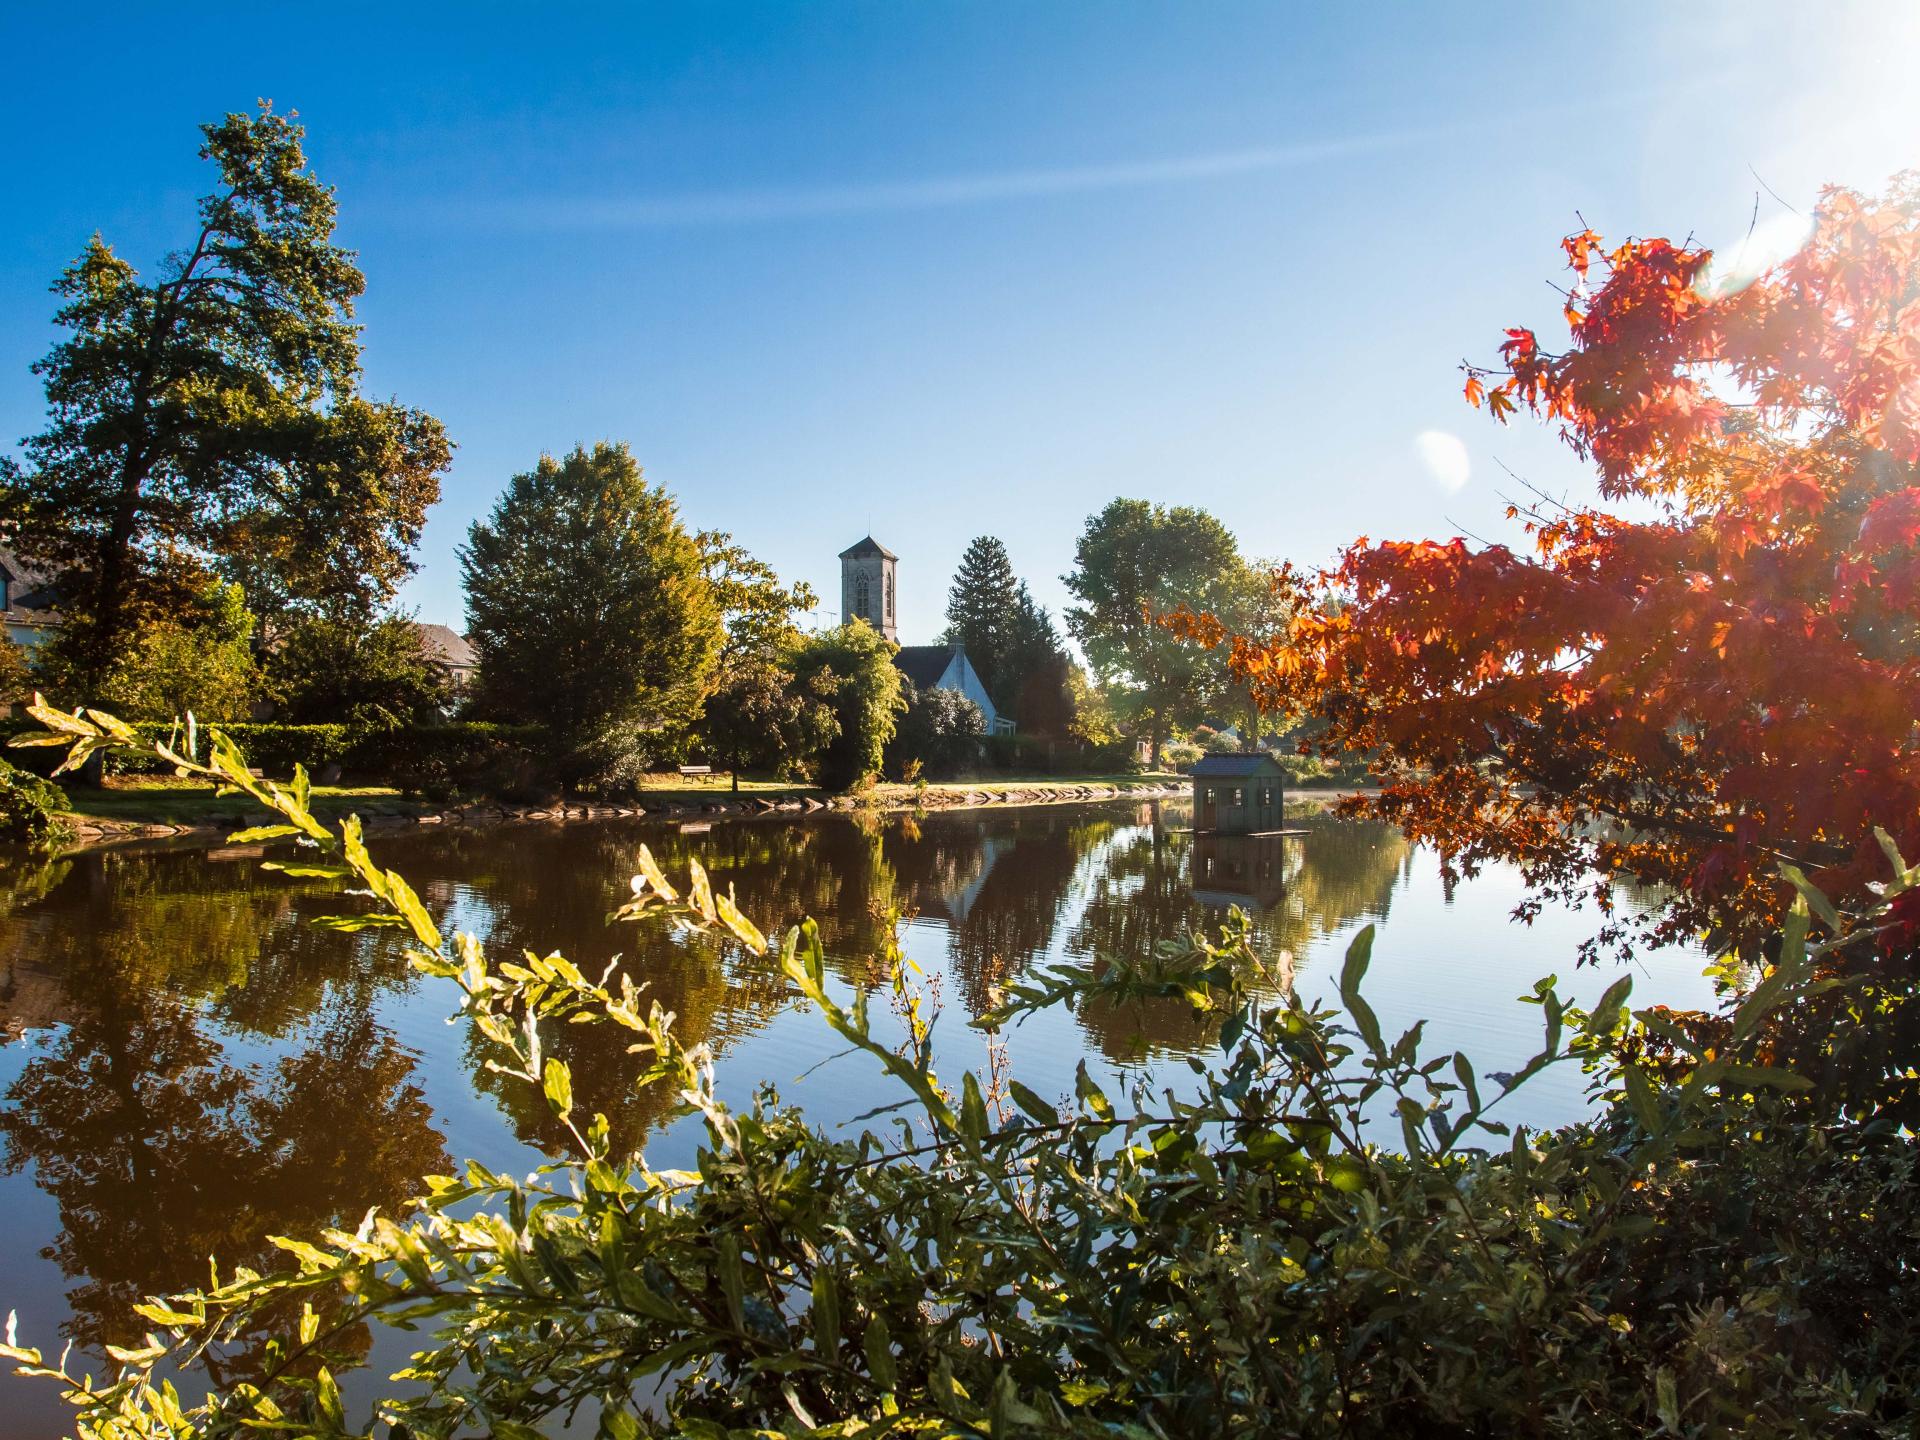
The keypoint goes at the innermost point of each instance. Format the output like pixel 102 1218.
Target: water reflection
pixel 138 1111
pixel 191 1067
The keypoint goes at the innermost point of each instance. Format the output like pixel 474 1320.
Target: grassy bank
pixel 164 800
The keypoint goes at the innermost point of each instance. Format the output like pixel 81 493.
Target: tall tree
pixel 759 715
pixel 1714 669
pixel 980 605
pixel 210 415
pixel 1136 561
pixel 590 611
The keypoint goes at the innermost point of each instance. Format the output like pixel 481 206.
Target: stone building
pixel 867 586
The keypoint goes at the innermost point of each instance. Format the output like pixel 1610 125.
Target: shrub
pixel 31 809
pixel 273 747
pixel 1725 1248
pixel 1180 755
pixel 368 673
pixel 942 729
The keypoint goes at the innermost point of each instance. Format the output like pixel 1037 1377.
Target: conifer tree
pixel 981 605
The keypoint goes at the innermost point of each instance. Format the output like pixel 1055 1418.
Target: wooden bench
pixel 691 770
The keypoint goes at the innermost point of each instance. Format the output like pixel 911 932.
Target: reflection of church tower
pixel 866 586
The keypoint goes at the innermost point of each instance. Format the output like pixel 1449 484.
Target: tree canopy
pixel 851 667
pixel 590 611
pixel 210 415
pixel 371 674
pixel 1134 562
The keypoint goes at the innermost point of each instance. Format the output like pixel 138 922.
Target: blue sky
pixel 944 269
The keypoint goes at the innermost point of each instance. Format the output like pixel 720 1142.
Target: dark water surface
pixel 187 1066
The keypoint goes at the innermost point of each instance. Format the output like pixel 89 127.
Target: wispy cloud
pixel 761 204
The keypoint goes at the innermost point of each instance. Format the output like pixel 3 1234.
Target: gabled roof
pixel 860 550
pixel 447 645
pixel 924 664
pixel 1230 767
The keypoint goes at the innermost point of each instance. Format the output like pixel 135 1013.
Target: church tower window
pixel 862 605
pixel 889 591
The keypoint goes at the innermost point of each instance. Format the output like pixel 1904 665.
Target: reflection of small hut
pixel 1245 870
pixel 1239 794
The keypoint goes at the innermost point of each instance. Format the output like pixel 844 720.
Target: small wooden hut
pixel 1239 794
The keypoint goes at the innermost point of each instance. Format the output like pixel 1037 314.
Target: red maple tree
pixel 1715 669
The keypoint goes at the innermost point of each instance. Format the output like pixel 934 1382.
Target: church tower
pixel 866 586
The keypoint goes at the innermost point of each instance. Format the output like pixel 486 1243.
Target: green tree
pixel 211 412
pixel 759 716
pixel 1135 561
pixel 852 666
pixel 763 717
pixel 1250 604
pixel 756 605
pixel 198 658
pixel 981 604
pixel 590 612
pixel 346 670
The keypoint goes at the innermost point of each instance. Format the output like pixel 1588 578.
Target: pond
pixel 189 1066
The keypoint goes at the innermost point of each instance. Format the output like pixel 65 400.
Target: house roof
pixel 924 664
pixel 447 645
pixel 31 595
pixel 1229 767
pixel 860 550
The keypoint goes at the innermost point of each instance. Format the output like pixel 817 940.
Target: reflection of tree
pixel 560 903
pixel 158 1149
pixel 160 1153
pixel 175 925
pixel 1141 892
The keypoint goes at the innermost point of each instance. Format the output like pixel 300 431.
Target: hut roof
pixel 1237 767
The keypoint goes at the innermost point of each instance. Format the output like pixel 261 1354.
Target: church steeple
pixel 867 586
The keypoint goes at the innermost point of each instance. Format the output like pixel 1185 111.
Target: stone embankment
pixel 91 831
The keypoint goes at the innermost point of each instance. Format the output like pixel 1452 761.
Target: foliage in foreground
pixel 31 810
pixel 1723 1250
pixel 1713 670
